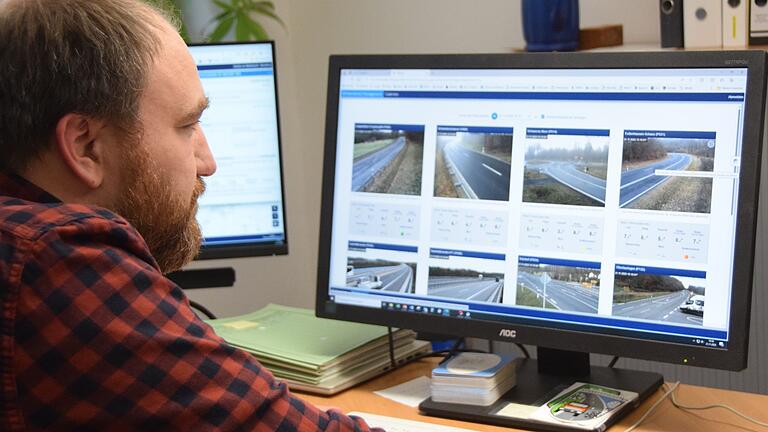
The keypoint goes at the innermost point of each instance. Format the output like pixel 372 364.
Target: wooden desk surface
pixel 665 418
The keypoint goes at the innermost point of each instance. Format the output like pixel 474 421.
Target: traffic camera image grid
pixel 473 162
pixel 558 284
pixel 667 170
pixel 466 284
pixel 387 158
pixel 659 294
pixel 379 274
pixel 466 275
pixel 566 166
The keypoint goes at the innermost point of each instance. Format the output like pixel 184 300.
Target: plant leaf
pixel 257 30
pixel 269 13
pixel 241 27
pixel 221 16
pixel 241 14
pixel 264 4
pixel 224 6
pixel 221 30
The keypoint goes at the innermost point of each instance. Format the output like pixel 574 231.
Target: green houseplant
pixel 240 15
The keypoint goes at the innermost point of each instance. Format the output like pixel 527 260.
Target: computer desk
pixel 665 418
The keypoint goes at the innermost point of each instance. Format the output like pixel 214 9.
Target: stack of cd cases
pixel 473 378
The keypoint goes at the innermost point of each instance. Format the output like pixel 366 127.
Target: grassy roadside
pixel 526 297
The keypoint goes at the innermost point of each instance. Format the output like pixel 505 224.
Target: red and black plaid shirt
pixel 93 337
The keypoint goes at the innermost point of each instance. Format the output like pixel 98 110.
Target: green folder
pixel 295 336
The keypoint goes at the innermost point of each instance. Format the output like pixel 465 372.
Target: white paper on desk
pixel 410 393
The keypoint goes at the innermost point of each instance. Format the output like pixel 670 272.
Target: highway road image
pixel 664 308
pixel 465 284
pixel 645 185
pixel 381 275
pixel 388 159
pixel 474 164
pixel 656 298
pixel 558 287
pixel 562 172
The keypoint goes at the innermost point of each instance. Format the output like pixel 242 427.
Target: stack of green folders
pixel 314 354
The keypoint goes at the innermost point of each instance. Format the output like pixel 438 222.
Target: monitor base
pixel 535 389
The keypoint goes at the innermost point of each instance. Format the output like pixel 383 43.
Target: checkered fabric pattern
pixel 94 338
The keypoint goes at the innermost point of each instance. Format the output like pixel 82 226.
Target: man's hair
pixel 70 56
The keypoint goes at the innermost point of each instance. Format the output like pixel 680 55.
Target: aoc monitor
pixel 242 212
pixel 579 202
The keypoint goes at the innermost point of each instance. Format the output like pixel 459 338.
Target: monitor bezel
pixel 732 358
pixel 254 248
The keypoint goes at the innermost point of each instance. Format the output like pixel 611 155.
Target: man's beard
pixel 166 221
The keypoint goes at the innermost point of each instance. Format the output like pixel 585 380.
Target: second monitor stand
pixel 540 380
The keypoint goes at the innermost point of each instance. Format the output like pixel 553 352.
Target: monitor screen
pixel 242 212
pixel 589 202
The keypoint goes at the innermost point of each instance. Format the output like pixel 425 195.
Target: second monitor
pixel 242 212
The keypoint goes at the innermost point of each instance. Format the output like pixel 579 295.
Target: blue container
pixel 551 25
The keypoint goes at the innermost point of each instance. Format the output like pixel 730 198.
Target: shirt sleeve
pixel 106 342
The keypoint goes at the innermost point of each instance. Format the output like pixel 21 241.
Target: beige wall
pixel 318 28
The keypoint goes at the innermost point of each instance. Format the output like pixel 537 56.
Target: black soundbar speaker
pixel 671 12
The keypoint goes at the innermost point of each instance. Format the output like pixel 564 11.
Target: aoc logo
pixel 509 333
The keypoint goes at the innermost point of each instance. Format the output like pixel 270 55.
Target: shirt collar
pixel 18 187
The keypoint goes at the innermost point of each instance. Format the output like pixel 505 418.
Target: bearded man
pixel 101 167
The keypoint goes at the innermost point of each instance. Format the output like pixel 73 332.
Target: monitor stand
pixel 540 380
pixel 203 278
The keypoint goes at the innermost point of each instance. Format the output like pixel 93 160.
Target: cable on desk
pixel 523 349
pixel 391 341
pixel 671 394
pixel 653 407
pixel 613 362
pixel 204 310
pixel 726 407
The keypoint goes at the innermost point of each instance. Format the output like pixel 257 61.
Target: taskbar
pixel 448 309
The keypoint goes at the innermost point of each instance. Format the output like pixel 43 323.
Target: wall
pixel 318 28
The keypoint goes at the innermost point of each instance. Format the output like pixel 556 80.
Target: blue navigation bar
pixel 630 270
pixel 607 96
pixel 355 245
pixel 228 73
pixel 264 65
pixel 440 253
pixel 388 127
pixel 531 261
pixel 669 134
pixel 474 129
pixel 577 132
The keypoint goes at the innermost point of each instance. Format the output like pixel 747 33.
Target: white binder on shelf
pixel 735 23
pixel 758 22
pixel 703 23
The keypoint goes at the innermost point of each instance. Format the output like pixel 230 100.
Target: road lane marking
pixel 547 172
pixel 492 170
pixel 644 192
pixel 573 296
pixel 653 172
pixel 588 178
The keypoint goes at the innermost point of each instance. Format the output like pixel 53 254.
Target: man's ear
pixel 79 141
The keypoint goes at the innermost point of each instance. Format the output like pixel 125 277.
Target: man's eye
pixel 192 125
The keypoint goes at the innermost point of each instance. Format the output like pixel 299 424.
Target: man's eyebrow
pixel 195 113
